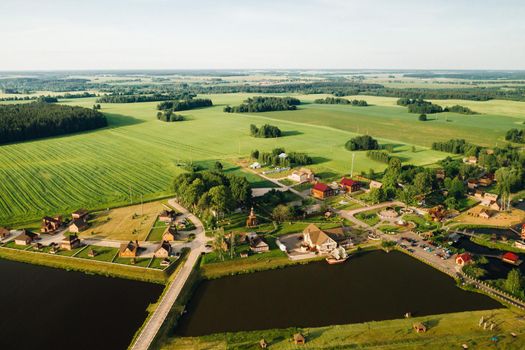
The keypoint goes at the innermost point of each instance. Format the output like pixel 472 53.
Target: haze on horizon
pixel 249 34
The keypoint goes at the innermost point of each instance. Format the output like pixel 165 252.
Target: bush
pixel 422 117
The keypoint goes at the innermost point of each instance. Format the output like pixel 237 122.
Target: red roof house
pixel 321 190
pixel 349 185
pixel 510 258
pixel 463 259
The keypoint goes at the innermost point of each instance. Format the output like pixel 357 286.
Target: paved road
pixel 150 330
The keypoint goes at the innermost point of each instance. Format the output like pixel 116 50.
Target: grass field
pixel 140 155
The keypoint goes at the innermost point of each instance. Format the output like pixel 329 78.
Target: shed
pixel 299 339
pixel 263 344
pixel 419 327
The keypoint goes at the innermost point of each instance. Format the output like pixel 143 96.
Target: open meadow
pixel 139 155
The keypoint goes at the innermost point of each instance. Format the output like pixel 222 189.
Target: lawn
pixel 133 222
pixel 158 229
pixel 445 332
pixel 137 155
pixel 102 253
pixel 369 217
pixel 422 223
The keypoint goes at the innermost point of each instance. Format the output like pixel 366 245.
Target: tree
pixel 514 283
pixel 218 243
pixel 423 182
pixel 377 195
pixel 255 154
pixel 281 213
pixel 456 188
pixel 422 117
pixel 407 195
pixel 218 166
pixel 364 142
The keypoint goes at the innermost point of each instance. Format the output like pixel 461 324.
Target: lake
pixel 372 286
pixel 46 308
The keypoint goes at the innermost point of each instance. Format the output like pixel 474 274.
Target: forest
pixel 264 104
pixel 140 98
pixel 186 104
pixel 20 122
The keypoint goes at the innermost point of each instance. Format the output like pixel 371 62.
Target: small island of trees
pixel 184 105
pixel 265 131
pixel 264 104
pixel 169 116
pixel 362 143
pixel 27 121
pixel 341 101
pixel 279 157
pixel 419 106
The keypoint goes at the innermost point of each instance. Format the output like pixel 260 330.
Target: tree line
pixel 379 156
pixel 459 109
pixel 118 98
pixel 64 96
pixel 273 158
pixel 419 106
pixel 169 116
pixel 265 131
pixel 27 121
pixel 186 104
pixel 341 101
pixel 264 104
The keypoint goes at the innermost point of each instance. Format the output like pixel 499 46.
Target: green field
pixel 139 155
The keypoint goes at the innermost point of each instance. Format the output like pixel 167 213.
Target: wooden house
pixel 26 238
pixel 129 250
pixel 50 224
pixel 299 339
pixel 80 214
pixel 463 259
pixel 302 175
pixel 375 184
pixel 349 185
pixel 70 242
pixel 167 216
pixel 170 234
pixel 78 225
pixel 163 250
pixel 322 191
pixel 257 245
pixel 252 219
pixel 4 233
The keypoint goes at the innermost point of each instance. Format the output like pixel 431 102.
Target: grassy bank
pixel 448 331
pixel 88 266
pixel 495 244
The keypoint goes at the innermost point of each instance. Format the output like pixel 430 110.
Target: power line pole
pixel 352 170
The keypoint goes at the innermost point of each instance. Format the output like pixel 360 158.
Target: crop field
pixel 139 155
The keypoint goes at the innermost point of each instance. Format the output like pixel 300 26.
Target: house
pixel 316 239
pixel 299 339
pixel 302 175
pixel 491 196
pixel 78 225
pixel 375 184
pixel 349 185
pixel 463 259
pixel 80 214
pixel 419 327
pixel 252 219
pixel 263 344
pixel 519 244
pixel 50 224
pixel 129 250
pixel 26 238
pixel 472 184
pixel 165 262
pixel 485 181
pixel 479 194
pixel 511 258
pixel 322 191
pixel 167 216
pixel 170 234
pixel 495 206
pixel 4 233
pixel 484 214
pixel 70 242
pixel 440 174
pixel 470 160
pixel 339 236
pixel 257 245
pixel 163 250
pixel 255 165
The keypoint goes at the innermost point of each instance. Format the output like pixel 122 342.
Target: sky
pixel 258 34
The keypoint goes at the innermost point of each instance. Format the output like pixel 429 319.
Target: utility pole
pixel 130 195
pixel 352 169
pixel 141 204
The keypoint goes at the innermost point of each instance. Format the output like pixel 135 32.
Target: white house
pixel 302 175
pixel 316 239
pixel 255 165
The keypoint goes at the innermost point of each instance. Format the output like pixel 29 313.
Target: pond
pixel 46 308
pixel 500 232
pixel 369 287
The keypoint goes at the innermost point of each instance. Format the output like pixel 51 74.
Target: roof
pixel 26 234
pixel 465 257
pixel 258 243
pixel 3 231
pixel 298 336
pixel 79 223
pixel 131 246
pixel 510 256
pixel 348 182
pixel 164 245
pixel 70 238
pixel 317 236
pixel 81 212
pixel 321 187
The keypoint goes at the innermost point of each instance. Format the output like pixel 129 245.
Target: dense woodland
pixel 341 101
pixel 186 104
pixel 27 121
pixel 265 131
pixel 264 104
pixel 362 143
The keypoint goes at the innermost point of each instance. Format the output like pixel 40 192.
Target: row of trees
pixel 419 106
pixel 274 158
pixel 212 193
pixel 184 105
pixel 169 116
pixel 38 98
pixel 459 109
pixel 362 143
pixel 341 101
pixel 265 131
pixel 27 121
pixel 264 104
pixel 456 146
pixel 379 156
pixel 134 98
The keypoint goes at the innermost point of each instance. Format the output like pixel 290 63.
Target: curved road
pixel 152 326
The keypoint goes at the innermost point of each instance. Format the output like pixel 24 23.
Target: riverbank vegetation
pixel 21 122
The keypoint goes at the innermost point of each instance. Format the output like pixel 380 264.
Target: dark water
pixel 372 286
pixel 500 232
pixel 496 268
pixel 45 308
